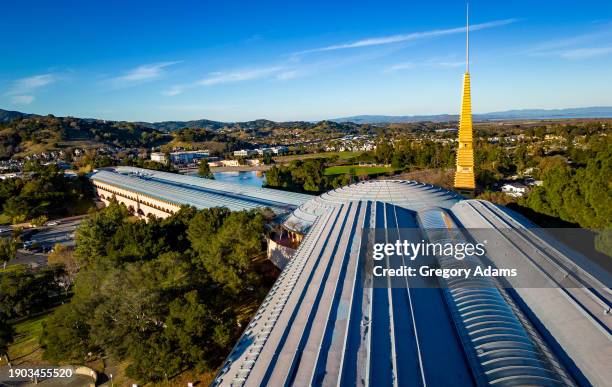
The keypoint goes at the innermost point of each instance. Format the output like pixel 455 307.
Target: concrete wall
pixel 138 204
pixel 279 255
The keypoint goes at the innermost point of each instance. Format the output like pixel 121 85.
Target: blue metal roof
pixel 321 324
pixel 198 192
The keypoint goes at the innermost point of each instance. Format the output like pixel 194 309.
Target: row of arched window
pixel 137 198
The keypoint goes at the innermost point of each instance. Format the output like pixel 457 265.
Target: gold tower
pixel 464 176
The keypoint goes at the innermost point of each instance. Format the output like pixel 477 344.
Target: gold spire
pixel 464 176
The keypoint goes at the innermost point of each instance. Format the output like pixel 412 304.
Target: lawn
pixel 359 170
pixel 327 155
pixel 25 349
pixel 12 268
pixel 4 219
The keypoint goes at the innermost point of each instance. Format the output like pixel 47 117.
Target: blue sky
pixel 299 60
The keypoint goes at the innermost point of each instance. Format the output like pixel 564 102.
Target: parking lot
pixel 38 242
pixel 63 233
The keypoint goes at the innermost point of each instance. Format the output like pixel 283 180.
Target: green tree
pixel 227 255
pixel 24 292
pixel 39 220
pixel 6 335
pixel 66 333
pixel 161 295
pixel 384 151
pixel 576 194
pixel 8 249
pixel 44 191
pixel 96 232
pixel 267 159
pixel 204 170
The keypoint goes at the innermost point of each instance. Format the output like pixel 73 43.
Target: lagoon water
pixel 252 178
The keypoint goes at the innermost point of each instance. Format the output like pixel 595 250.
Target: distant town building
pixel 263 151
pixel 188 157
pixel 277 150
pixel 253 162
pixel 514 189
pixel 280 150
pixel 158 156
pixel 229 163
pixel 244 153
pixel 530 181
pixel 5 176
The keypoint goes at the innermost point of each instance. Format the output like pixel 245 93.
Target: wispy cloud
pixel 240 75
pixel 29 84
pixel 400 66
pixel 583 46
pixel 234 76
pixel 21 92
pixel 22 99
pixel 292 67
pixel 556 44
pixel 457 63
pixel 175 90
pixel 289 74
pixel 426 63
pixel 377 41
pixel 144 72
pixel 583 53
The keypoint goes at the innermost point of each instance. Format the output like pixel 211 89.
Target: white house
pixel 158 156
pixel 230 163
pixel 244 153
pixel 280 150
pixel 514 189
pixel 187 157
pixel 253 162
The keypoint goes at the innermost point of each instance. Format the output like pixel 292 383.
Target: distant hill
pixel 170 126
pixel 255 125
pixel 22 134
pixel 8 115
pixel 586 112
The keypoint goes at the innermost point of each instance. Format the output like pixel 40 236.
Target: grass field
pixel 25 349
pixel 5 219
pixel 359 170
pixel 12 268
pixel 327 155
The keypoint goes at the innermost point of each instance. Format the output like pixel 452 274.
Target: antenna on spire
pixel 467 36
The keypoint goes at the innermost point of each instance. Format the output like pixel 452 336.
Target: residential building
pixel 280 150
pixel 514 189
pixel 160 157
pixel 244 153
pixel 188 157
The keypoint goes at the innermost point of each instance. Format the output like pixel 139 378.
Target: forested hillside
pixel 32 134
